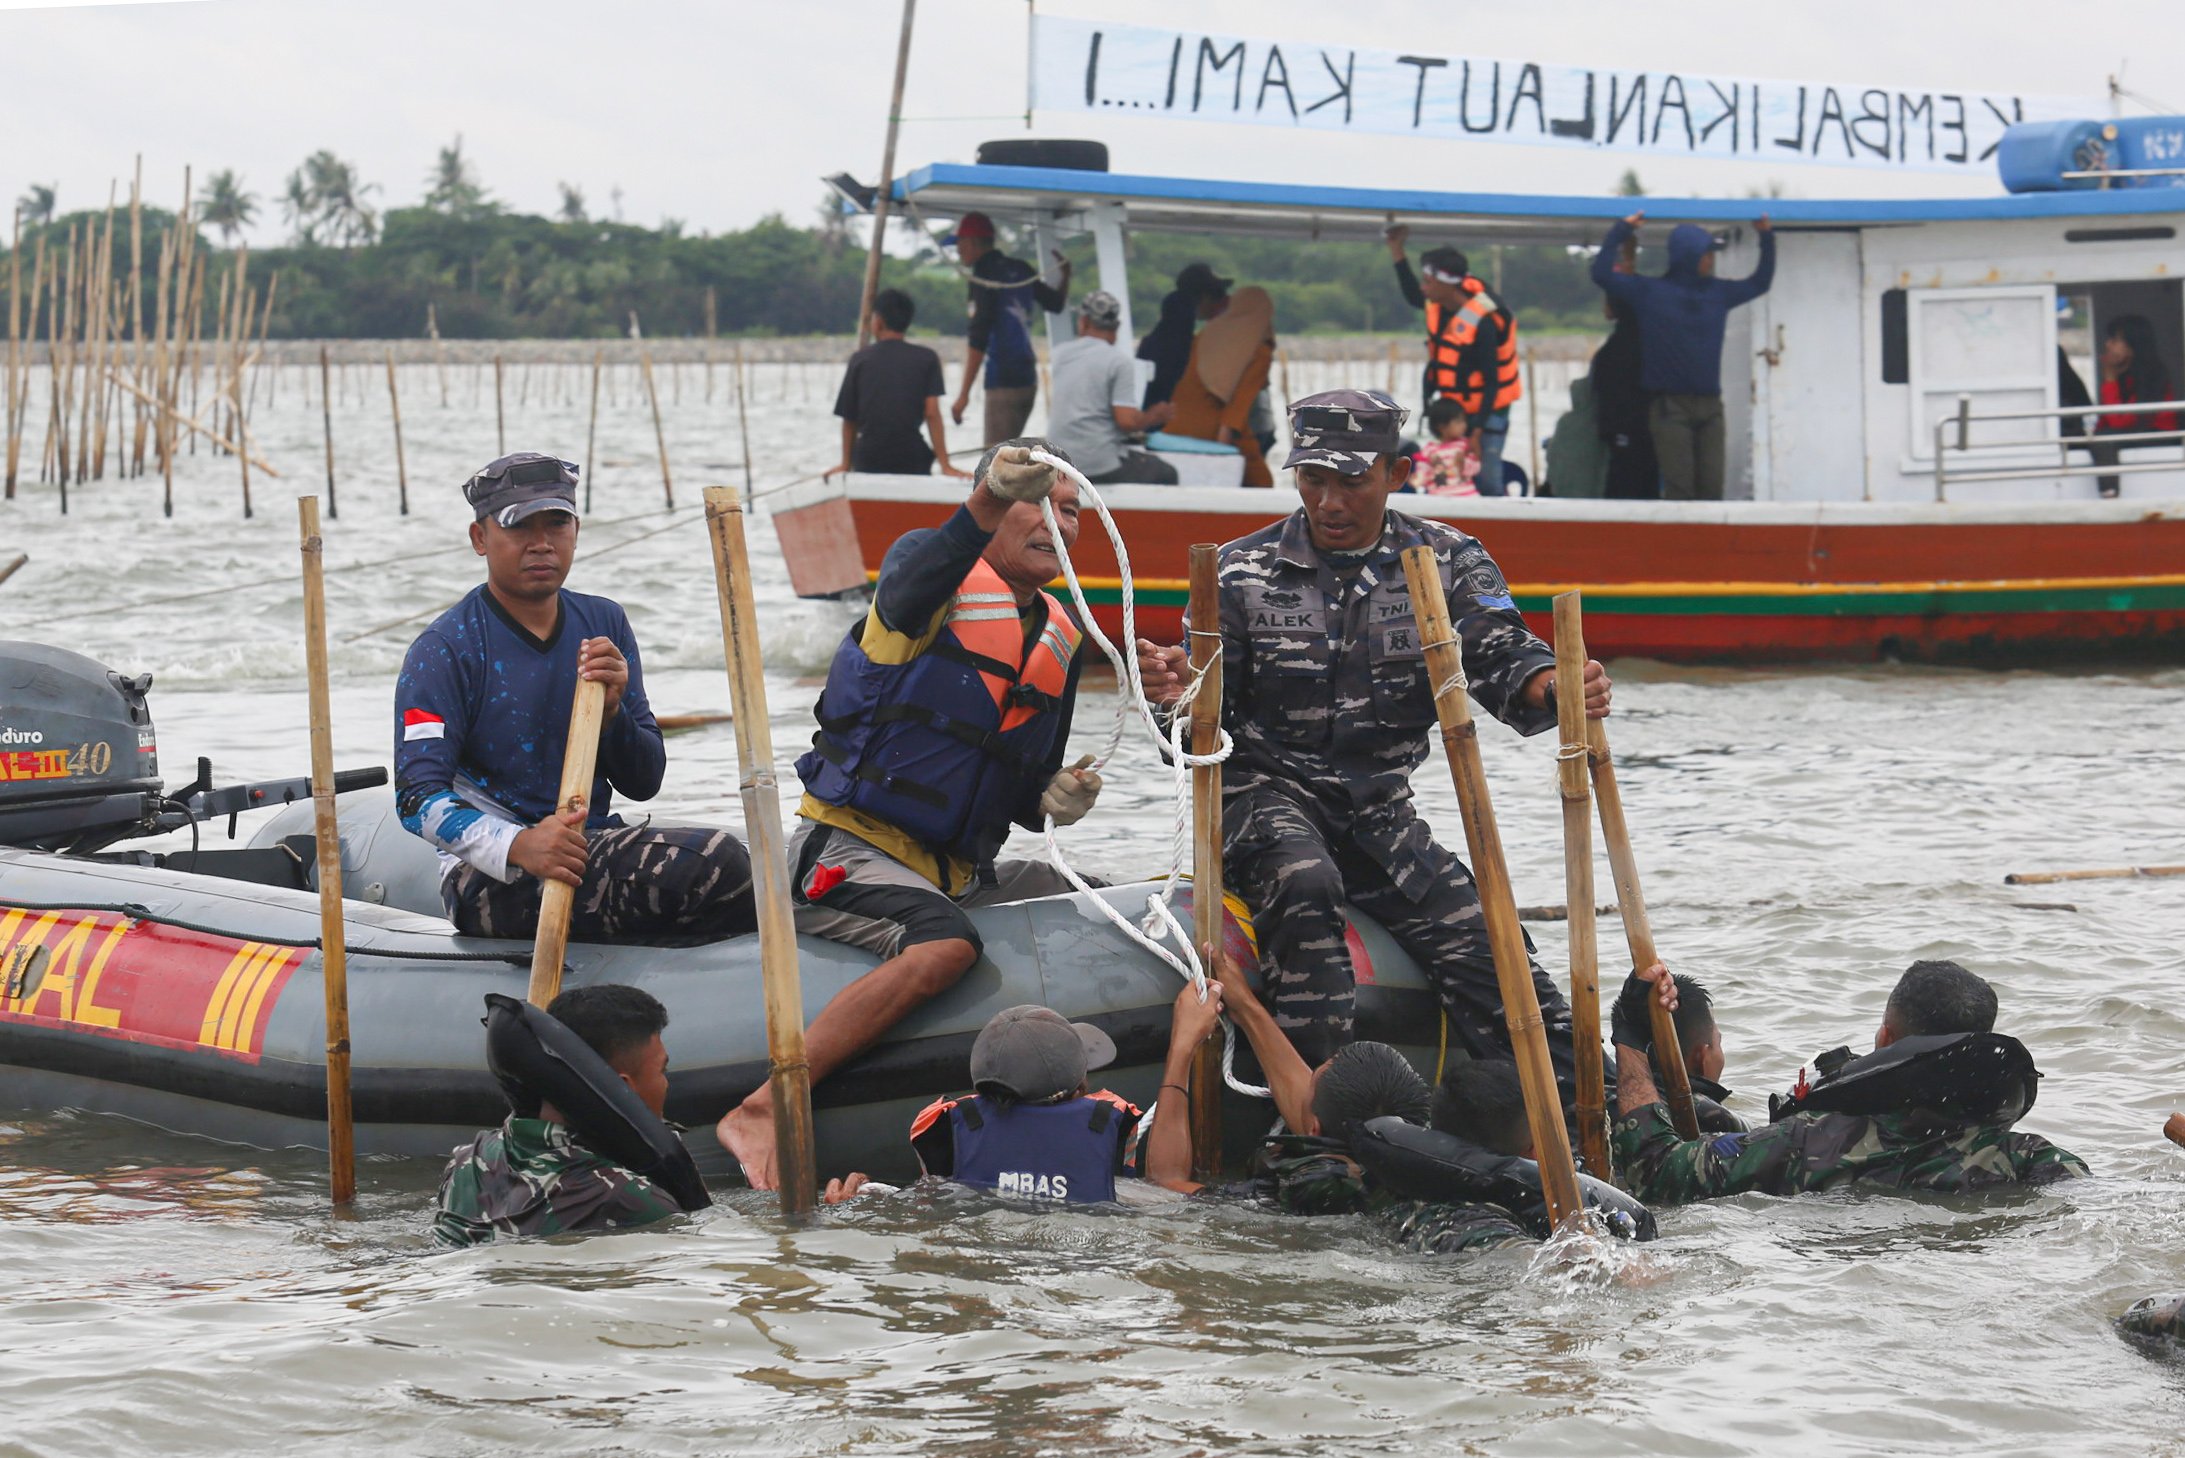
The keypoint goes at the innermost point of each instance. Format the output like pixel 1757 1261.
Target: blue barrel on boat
pixel 2060 156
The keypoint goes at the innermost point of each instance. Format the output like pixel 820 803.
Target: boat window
pixel 2097 305
pixel 2153 234
pixel 1896 345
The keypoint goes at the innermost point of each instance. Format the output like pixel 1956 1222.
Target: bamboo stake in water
pixel 660 438
pixel 240 343
pixel 743 414
pixel 136 313
pixel 1505 937
pixel 500 409
pixel 1206 842
pixel 558 900
pixel 2114 873
pixel 591 429
pixel 402 469
pixel 15 345
pixel 1585 965
pixel 326 413
pixel 341 1155
pixel 440 350
pixel 789 1076
pixel 1676 1081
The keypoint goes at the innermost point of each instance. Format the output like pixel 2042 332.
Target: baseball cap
pixel 971 225
pixel 1036 1054
pixel 521 485
pixel 1101 309
pixel 1200 280
pixel 1345 429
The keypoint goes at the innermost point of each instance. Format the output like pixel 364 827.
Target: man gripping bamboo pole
pixel 788 1075
pixel 1676 1082
pixel 1506 939
pixel 558 899
pixel 1585 971
pixel 1206 839
pixel 341 1154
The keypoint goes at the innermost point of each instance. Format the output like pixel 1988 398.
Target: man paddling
pixel 481 717
pixel 1327 698
pixel 1932 1108
pixel 943 723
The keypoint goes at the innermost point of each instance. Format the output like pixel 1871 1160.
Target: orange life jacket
pixel 1450 332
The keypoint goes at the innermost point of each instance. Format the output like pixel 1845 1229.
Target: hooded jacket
pixel 1680 314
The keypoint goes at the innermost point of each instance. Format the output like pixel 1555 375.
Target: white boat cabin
pixel 1886 319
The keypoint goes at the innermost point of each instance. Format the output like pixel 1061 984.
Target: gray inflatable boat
pixel 184 988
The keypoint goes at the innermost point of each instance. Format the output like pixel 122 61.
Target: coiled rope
pixel 1130 703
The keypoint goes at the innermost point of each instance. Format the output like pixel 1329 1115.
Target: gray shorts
pixel 882 906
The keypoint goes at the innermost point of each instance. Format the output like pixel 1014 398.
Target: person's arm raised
pixel 1168 1144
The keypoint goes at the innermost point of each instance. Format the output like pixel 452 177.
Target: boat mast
pixel 887 181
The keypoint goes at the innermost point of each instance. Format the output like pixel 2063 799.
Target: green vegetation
pixel 351 270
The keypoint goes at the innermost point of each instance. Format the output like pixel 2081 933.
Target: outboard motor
pixel 79 764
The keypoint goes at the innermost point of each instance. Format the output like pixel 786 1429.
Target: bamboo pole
pixel 19 406
pixel 15 346
pixel 500 407
pixel 1513 970
pixel 587 712
pixel 13 565
pixel 1206 841
pixel 402 469
pixel 788 1075
pixel 440 350
pixel 660 438
pixel 881 195
pixel 341 1156
pixel 1532 409
pixel 591 429
pixel 2115 873
pixel 194 427
pixel 139 418
pixel 1676 1082
pixel 1585 952
pixel 326 413
pixel 237 346
pixel 156 375
pixel 743 414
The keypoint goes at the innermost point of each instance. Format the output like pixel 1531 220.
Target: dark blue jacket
pixel 1680 314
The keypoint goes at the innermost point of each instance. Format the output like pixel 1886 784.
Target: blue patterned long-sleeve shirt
pixel 482 720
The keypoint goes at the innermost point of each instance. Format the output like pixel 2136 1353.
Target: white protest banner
pixel 1086 66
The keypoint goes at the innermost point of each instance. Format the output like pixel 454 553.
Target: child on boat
pixel 1447 464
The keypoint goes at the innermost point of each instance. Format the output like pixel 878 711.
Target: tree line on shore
pixel 484 271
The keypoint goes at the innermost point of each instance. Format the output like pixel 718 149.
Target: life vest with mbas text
pixel 1067 1152
pixel 1449 332
pixel 946 747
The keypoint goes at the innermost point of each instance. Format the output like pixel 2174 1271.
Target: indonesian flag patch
pixel 417 724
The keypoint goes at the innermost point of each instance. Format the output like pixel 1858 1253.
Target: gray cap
pixel 1344 429
pixel 521 485
pixel 1036 1054
pixel 1101 309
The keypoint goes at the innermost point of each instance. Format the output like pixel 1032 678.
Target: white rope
pixel 1160 919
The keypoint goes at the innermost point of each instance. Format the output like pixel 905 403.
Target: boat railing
pixel 1954 432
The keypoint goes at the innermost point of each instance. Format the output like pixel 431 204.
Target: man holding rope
pixel 943 723
pixel 1325 694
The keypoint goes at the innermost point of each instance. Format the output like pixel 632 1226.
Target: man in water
pixel 1699 1041
pixel 533 1176
pixel 1326 695
pixel 1909 1146
pixel 482 712
pixel 944 722
pixel 1006 294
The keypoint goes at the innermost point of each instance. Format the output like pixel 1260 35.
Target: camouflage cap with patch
pixel 1344 429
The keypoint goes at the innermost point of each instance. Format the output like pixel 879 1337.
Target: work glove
pixel 1070 794
pixel 1015 476
pixel 1631 1024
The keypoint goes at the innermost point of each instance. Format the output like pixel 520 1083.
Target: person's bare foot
pixel 747 1133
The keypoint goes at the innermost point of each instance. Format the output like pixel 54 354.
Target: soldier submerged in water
pixel 1325 693
pixel 1931 1108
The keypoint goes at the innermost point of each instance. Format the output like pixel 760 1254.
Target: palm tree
pixel 226 206
pixel 453 186
pixel 300 206
pixel 37 205
pixel 340 196
pixel 572 203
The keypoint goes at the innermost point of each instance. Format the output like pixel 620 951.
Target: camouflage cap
pixel 1345 429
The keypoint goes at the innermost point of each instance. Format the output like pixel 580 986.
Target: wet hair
pixel 1695 1014
pixel 1029 442
pixel 2150 380
pixel 894 308
pixel 1940 997
pixel 1367 1081
pixel 614 1020
pixel 1444 411
pixel 1446 260
pixel 1483 1100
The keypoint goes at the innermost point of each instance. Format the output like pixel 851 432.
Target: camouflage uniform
pixel 1301 1175
pixel 1822 1151
pixel 1325 693
pixel 641 882
pixel 529 1177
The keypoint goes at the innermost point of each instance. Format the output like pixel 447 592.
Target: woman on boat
pixel 1229 364
pixel 2132 373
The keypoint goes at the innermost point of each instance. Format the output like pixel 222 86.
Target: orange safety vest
pixel 1450 332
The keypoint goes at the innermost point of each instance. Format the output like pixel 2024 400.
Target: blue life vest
pixel 947 746
pixel 1064 1152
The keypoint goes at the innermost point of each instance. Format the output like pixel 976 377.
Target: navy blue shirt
pixel 482 722
pixel 1006 294
pixel 1681 314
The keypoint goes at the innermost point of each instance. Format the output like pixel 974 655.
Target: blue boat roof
pixel 1211 204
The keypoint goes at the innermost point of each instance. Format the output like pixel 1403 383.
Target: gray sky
pixel 719 111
